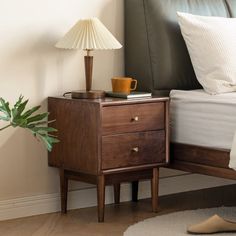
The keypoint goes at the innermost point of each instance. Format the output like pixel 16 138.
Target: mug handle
pixel 135 84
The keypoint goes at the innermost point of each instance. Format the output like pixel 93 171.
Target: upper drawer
pixel 132 118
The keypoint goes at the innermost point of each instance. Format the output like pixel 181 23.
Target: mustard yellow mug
pixel 123 84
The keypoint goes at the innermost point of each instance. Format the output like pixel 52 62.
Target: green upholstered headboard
pixel 155 52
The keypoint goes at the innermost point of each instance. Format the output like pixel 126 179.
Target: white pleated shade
pixel 89 34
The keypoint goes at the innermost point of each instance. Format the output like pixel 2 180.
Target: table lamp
pixel 88 34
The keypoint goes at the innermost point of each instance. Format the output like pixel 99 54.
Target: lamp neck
pixel 88 60
pixel 88 52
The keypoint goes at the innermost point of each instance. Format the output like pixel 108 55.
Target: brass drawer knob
pixel 135 149
pixel 135 118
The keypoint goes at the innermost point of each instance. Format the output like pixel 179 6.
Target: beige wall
pixel 30 65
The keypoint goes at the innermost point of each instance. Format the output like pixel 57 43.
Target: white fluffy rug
pixel 175 224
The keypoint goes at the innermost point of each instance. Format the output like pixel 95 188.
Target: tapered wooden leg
pixel 135 191
pixel 101 197
pixel 116 193
pixel 64 191
pixel 155 187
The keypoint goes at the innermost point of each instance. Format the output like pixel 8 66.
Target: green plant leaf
pixel 45 122
pixel 5 107
pixel 38 117
pixel 5 118
pixel 19 101
pixel 30 112
pixel 45 129
pixel 48 144
pixel 49 141
pixel 36 124
pixel 16 112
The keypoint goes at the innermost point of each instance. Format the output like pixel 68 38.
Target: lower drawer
pixel 133 149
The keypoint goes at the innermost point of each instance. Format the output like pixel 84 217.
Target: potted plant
pixel 18 116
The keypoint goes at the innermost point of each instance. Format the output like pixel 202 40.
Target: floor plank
pixel 83 222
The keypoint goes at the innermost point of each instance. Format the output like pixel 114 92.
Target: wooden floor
pixel 83 222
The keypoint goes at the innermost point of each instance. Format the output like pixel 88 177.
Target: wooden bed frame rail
pixel 202 160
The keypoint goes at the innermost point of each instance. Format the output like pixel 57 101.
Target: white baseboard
pixel 48 203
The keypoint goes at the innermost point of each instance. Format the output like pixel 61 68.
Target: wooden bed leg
pixel 135 191
pixel 154 188
pixel 116 188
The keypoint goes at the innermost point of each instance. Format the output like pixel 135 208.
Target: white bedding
pixel 205 120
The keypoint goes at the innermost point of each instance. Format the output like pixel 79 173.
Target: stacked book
pixel 129 96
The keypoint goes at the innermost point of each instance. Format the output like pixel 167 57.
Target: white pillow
pixel 211 43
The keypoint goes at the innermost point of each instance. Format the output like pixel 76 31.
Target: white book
pixel 129 96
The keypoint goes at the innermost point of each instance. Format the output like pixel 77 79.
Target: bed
pixel 156 55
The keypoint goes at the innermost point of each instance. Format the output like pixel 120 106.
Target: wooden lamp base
pixel 92 94
pixel 88 93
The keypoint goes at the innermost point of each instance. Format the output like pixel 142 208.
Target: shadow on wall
pixel 37 69
pixel 32 66
pixel 48 70
pixel 48 57
pixel 23 159
pixel 24 166
pixel 38 63
pixel 112 17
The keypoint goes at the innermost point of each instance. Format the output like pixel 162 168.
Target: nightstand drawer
pixel 133 118
pixel 133 149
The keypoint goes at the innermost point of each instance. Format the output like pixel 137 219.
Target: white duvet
pixel 201 119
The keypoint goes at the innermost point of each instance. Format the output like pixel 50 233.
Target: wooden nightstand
pixel 110 141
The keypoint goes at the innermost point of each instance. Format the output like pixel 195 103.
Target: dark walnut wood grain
pixel 201 160
pixel 133 149
pixel 133 118
pixel 103 142
pixel 204 169
pixel 77 123
pixel 88 64
pixel 200 155
pixel 155 189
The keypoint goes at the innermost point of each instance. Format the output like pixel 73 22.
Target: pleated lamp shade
pixel 89 34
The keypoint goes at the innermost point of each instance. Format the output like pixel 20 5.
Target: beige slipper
pixel 214 224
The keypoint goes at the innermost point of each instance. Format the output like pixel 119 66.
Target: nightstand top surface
pixel 116 101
